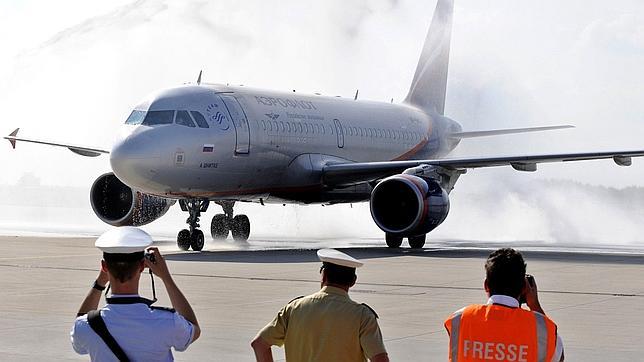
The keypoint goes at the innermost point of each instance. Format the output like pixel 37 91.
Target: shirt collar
pixel 123 296
pixel 334 290
pixel 503 300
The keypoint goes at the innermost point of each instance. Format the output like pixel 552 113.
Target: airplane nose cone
pixel 135 159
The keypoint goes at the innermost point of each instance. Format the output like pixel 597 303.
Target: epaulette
pixel 294 299
pixel 371 309
pixel 167 309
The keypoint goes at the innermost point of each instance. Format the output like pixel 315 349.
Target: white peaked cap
pixel 123 240
pixel 339 258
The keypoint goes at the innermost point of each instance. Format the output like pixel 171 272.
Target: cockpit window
pixel 158 117
pixel 136 117
pixel 199 118
pixel 183 119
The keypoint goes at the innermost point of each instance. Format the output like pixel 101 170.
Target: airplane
pixel 202 143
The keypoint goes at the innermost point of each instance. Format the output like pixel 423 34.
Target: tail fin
pixel 429 86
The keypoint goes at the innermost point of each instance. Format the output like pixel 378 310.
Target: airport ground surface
pixel 596 297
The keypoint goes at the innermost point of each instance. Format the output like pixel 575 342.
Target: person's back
pixel 501 330
pixel 333 323
pixel 327 325
pixel 131 325
pixel 498 332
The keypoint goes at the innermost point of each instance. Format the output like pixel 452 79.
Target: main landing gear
pixel 239 226
pixel 415 242
pixel 221 225
pixel 194 237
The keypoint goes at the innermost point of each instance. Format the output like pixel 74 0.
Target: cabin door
pixel 339 133
pixel 240 122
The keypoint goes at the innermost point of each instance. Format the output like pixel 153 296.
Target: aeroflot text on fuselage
pixel 285 102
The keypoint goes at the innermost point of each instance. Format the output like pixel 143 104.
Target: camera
pixel 150 256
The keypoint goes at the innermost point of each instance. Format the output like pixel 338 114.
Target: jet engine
pixel 407 205
pixel 117 204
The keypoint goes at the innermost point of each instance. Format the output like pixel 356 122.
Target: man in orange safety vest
pixel 501 330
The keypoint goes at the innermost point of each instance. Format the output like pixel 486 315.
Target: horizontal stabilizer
pixel 80 150
pixel 498 132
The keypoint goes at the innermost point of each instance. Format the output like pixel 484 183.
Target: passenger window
pixel 199 118
pixel 158 117
pixel 183 119
pixel 136 117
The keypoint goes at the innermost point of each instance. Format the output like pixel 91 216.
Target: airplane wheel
pixel 393 241
pixel 183 239
pixel 197 240
pixel 240 228
pixel 416 242
pixel 219 227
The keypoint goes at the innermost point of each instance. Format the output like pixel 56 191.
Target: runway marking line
pixel 611 294
pixel 47 257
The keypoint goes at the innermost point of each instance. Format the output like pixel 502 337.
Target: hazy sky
pixel 74 76
pixel 71 71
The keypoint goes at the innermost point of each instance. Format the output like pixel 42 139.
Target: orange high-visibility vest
pixel 500 333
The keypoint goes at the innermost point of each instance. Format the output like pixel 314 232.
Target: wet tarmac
pixel 595 295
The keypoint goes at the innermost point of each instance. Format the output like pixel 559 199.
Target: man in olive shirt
pixel 327 325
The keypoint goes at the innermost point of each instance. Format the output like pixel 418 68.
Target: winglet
pixel 12 138
pixel 199 77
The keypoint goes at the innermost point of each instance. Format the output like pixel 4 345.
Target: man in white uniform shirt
pixel 128 328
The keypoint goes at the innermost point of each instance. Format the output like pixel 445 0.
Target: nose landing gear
pixel 194 237
pixel 239 226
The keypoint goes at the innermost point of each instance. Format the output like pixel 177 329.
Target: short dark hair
pixel 505 272
pixel 123 267
pixel 338 274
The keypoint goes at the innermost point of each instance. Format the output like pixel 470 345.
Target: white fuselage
pixel 268 145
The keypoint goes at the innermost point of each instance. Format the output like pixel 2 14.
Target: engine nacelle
pixel 408 205
pixel 117 204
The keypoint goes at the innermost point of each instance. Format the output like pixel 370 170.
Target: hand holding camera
pixel 530 294
pixel 156 263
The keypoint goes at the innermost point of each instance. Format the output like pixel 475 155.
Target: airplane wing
pixel 80 150
pixel 350 173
